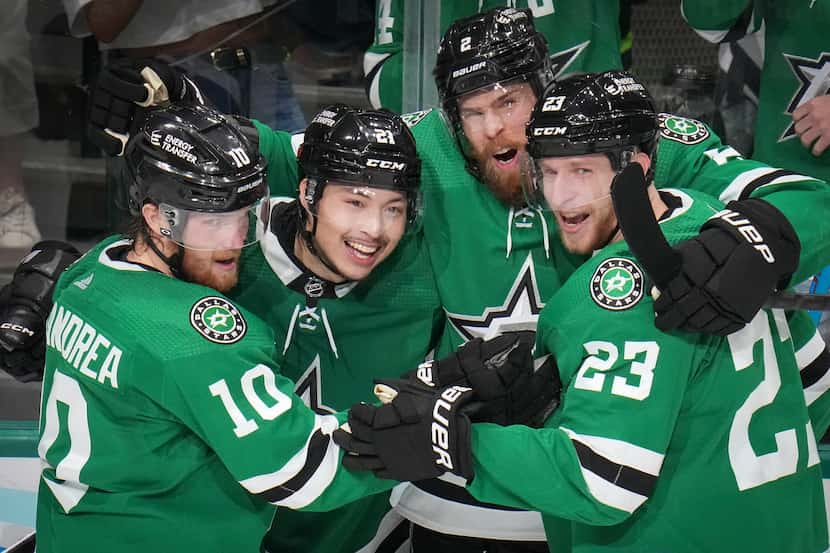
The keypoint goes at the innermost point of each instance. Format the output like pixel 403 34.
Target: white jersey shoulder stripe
pixel 620 452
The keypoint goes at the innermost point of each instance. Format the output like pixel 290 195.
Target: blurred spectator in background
pixel 333 46
pixel 582 36
pixel 794 110
pixel 234 49
pixel 18 115
pixel 738 88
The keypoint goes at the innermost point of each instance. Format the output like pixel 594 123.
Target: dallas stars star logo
pixel 560 61
pixel 519 312
pixel 617 284
pixel 682 129
pixel 310 388
pixel 218 320
pixel 814 80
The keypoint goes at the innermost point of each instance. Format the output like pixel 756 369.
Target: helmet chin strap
pixel 313 248
pixel 174 262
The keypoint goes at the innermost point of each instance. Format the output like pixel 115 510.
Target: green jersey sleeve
pixel 690 155
pixel 720 21
pixel 279 149
pixel 813 360
pixel 661 436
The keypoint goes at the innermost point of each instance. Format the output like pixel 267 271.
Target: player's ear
pixel 152 218
pixel 304 200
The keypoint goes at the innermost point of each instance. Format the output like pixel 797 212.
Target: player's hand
pixel 420 434
pixel 501 373
pixel 122 93
pixel 812 124
pixel 24 307
pixel 741 256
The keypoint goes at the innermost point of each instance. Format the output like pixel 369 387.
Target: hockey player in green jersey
pixel 793 125
pixel 165 424
pixel 663 441
pixel 342 272
pixel 582 36
pixel 469 231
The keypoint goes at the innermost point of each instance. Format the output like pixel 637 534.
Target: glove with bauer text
pixel 24 307
pixel 501 373
pixel 742 255
pixel 420 434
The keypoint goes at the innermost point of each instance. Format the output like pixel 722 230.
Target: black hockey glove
pixel 741 256
pixel 420 434
pixel 24 307
pixel 122 93
pixel 501 373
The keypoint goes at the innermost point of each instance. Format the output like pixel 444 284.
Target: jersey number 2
pixel 752 470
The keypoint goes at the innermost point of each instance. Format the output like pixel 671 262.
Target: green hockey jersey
pixel 494 266
pixel 796 68
pixel 582 36
pixel 332 341
pixel 165 424
pixel 663 441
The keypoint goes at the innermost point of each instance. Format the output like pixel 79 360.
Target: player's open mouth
pixel 361 252
pixel 572 222
pixel 227 263
pixel 505 156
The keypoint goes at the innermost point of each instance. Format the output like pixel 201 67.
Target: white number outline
pixel 620 387
pixel 66 390
pixel 242 425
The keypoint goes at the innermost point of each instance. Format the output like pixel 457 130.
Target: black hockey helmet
pixel 188 158
pixel 372 148
pixel 609 112
pixel 482 50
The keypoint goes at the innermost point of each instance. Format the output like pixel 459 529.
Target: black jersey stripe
pixel 455 493
pixel 317 446
pixel 813 372
pixel 623 476
pixel 755 184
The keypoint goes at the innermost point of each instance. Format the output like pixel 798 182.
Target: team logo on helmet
pixel 218 320
pixel 682 129
pixel 617 284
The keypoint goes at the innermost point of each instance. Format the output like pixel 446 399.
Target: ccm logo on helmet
pixel 748 231
pixel 17 328
pixel 440 425
pixel 384 164
pixel 469 69
pixel 549 131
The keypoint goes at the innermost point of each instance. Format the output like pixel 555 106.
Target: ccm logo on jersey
pixel 440 424
pixel 549 131
pixel 748 231
pixel 17 328
pixel 384 164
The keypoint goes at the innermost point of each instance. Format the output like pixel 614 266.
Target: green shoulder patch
pixel 617 284
pixel 415 117
pixel 682 129
pixel 218 320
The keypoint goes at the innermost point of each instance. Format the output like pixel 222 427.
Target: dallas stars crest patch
pixel 682 129
pixel 218 320
pixel 617 284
